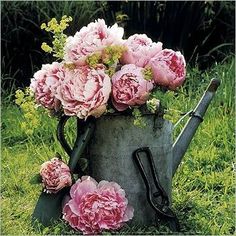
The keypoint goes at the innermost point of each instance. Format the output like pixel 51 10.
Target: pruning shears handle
pixel 157 197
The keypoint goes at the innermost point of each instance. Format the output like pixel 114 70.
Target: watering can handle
pixel 84 133
pixel 196 117
pixel 81 142
pixel 61 134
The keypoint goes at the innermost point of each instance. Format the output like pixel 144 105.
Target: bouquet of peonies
pixel 100 71
pixel 97 71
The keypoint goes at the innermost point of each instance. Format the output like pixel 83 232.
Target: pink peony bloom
pixel 84 92
pixel 44 85
pixel 129 88
pixel 55 175
pixel 168 68
pixel 93 38
pixel 140 49
pixel 94 207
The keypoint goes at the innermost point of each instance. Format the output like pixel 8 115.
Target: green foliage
pixel 153 104
pixel 166 97
pixel 203 187
pixel 138 119
pixel 93 59
pixel 111 54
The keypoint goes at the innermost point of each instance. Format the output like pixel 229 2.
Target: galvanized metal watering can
pixel 142 160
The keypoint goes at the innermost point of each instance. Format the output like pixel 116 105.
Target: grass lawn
pixel 203 187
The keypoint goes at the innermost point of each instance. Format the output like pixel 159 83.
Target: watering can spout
pixel 196 117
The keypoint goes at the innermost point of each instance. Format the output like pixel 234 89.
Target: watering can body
pixel 110 157
pixel 110 152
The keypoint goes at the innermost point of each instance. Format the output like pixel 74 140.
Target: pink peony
pixel 129 88
pixel 84 92
pixel 168 68
pixel 140 49
pixel 94 207
pixel 44 85
pixel 93 38
pixel 55 175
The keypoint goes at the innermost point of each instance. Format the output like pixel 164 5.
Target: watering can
pixel 142 161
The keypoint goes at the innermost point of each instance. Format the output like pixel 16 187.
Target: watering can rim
pixel 143 109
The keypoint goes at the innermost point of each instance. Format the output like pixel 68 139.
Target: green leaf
pixel 37 179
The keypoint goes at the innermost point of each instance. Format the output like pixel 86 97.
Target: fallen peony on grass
pixel 203 188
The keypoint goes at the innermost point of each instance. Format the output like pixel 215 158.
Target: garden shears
pixel 157 198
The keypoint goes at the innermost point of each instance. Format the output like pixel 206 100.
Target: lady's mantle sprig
pixel 25 99
pixel 59 38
